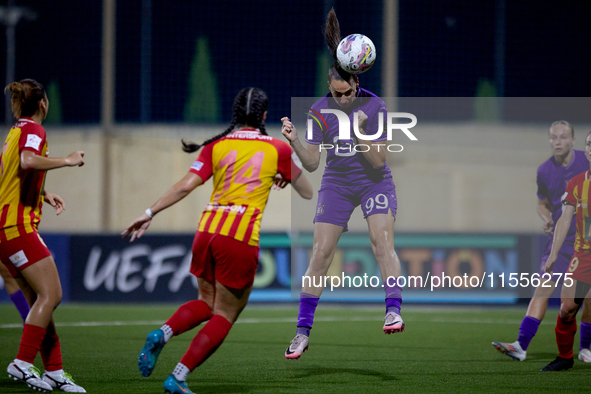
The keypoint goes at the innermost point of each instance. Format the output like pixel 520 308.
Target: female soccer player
pixel 243 163
pixel 350 179
pixel 23 166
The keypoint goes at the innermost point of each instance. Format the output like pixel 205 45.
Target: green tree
pixel 203 103
pixel 486 102
pixel 54 116
pixel 323 61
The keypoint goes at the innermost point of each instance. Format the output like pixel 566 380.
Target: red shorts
pixel 21 252
pixel 224 259
pixel 580 266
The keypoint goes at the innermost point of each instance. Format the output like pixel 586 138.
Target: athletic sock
pixel 393 295
pixel 19 300
pixel 181 372
pixel 527 330
pixel 30 343
pixel 51 351
pixel 209 338
pixel 585 335
pixel 188 316
pixel 308 304
pixel 565 336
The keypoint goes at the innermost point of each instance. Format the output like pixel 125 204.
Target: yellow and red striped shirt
pixel 243 165
pixel 21 196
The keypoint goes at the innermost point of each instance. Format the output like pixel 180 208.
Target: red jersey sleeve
pixel 288 163
pixel 569 195
pixel 32 138
pixel 203 166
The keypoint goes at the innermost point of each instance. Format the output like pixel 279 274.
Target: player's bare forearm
pixel 545 210
pixel 376 156
pixel 177 192
pixel 308 156
pixel 562 228
pixel 32 161
pixel 303 187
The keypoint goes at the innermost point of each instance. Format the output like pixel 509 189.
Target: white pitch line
pixel 280 320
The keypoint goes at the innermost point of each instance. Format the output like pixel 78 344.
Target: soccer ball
pixel 356 53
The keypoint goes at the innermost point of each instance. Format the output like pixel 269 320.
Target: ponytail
pixel 332 33
pixel 332 36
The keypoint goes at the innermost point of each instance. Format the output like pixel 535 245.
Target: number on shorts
pixel 573 265
pixel 381 202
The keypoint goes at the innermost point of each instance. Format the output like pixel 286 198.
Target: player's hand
pixel 549 264
pixel 288 130
pixel 548 227
pixel 55 201
pixel 279 182
pixel 362 121
pixel 75 159
pixel 137 228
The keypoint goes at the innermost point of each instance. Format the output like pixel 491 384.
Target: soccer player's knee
pixel 568 310
pixel 322 256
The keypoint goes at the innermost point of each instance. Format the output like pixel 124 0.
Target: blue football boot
pixel 150 352
pixel 173 386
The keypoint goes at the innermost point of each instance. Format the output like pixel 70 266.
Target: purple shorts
pixel 336 202
pixel 562 262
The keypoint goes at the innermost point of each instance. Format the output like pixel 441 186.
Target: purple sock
pixel 393 296
pixel 585 335
pixel 527 330
pixel 308 304
pixel 21 304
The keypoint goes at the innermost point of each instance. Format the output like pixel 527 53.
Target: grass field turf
pixel 442 350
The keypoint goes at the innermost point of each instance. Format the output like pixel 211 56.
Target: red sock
pixel 189 316
pixel 51 351
pixel 30 343
pixel 565 336
pixel 206 342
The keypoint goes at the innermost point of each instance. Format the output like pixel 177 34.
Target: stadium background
pixel 178 65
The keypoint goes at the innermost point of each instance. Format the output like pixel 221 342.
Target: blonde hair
pixel 26 95
pixel 564 123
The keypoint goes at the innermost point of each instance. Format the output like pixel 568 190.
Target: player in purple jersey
pixel 350 179
pixel 553 175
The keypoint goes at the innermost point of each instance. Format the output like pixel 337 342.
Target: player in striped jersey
pixel 575 200
pixel 244 163
pixel 23 165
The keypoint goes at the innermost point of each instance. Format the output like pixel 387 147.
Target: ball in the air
pixel 356 53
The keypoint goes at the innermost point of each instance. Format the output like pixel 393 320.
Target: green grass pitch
pixel 444 349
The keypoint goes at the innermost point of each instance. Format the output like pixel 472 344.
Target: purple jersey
pixel 345 166
pixel 552 179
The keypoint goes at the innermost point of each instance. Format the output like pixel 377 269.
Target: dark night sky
pixel 445 48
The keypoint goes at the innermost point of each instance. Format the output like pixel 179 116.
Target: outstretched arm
pixel 310 156
pixel 176 193
pixel 32 161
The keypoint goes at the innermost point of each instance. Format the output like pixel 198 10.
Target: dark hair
pixel 248 109
pixel 332 36
pixel 26 96
pixel 564 123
